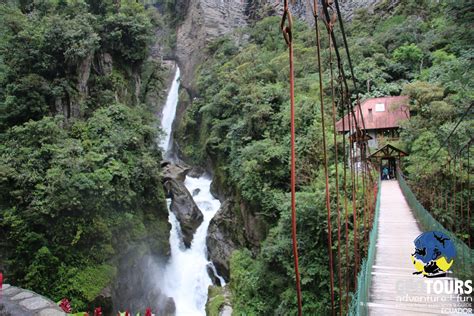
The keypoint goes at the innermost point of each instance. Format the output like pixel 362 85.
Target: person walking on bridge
pixel 385 173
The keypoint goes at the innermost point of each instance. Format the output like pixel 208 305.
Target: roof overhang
pixel 388 151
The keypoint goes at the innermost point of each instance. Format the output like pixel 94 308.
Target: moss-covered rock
pixel 218 302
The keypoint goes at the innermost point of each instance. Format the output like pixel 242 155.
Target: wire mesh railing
pixel 364 279
pixel 463 264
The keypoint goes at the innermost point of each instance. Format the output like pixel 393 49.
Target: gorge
pixel 128 182
pixel 186 277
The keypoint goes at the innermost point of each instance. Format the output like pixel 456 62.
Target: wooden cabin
pixel 382 118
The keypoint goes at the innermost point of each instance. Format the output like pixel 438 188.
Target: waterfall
pixel 186 277
pixel 169 113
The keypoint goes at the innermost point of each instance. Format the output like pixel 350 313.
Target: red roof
pixel 379 113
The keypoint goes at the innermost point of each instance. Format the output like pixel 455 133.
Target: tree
pixel 128 32
pixel 409 55
pixel 28 98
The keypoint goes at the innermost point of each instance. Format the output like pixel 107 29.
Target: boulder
pixel 173 171
pixel 196 172
pixel 183 207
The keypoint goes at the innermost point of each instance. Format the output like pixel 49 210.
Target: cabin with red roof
pixel 381 118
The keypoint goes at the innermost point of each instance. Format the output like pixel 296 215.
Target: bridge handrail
pixel 364 279
pixel 463 265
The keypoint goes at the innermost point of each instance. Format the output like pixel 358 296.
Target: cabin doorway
pixel 388 158
pixel 388 169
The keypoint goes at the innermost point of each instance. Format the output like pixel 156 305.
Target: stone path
pixel 394 289
pixel 15 301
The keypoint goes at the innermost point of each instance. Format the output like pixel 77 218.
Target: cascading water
pixel 169 113
pixel 186 275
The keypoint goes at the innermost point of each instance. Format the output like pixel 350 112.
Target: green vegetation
pixel 216 301
pixel 80 171
pixel 242 116
pixel 423 49
pixel 420 49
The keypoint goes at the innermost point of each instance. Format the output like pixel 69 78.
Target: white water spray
pixel 186 279
pixel 169 112
pixel 186 275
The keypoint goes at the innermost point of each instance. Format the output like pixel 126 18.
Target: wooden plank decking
pixel 393 283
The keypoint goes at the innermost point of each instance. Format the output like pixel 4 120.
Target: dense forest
pixel 80 174
pixel 80 177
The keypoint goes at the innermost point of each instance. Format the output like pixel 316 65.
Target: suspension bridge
pixel 370 249
pixel 394 290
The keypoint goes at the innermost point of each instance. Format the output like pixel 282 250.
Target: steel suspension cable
pixel 346 47
pixel 286 27
pixel 354 201
pixel 346 208
pixel 445 192
pixel 449 136
pixel 354 172
pixel 339 269
pixel 363 159
pixel 364 195
pixel 326 173
pixel 339 60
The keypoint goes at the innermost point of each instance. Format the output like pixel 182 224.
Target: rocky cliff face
pixel 235 226
pixel 206 20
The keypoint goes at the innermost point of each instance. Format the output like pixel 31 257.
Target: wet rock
pixel 212 275
pixel 226 311
pixel 182 205
pixel 196 172
pixel 219 245
pixel 10 290
pixel 196 192
pixel 233 227
pixel 172 171
pixel 219 301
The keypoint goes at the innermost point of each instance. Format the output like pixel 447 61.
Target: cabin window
pixel 379 107
pixel 371 118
